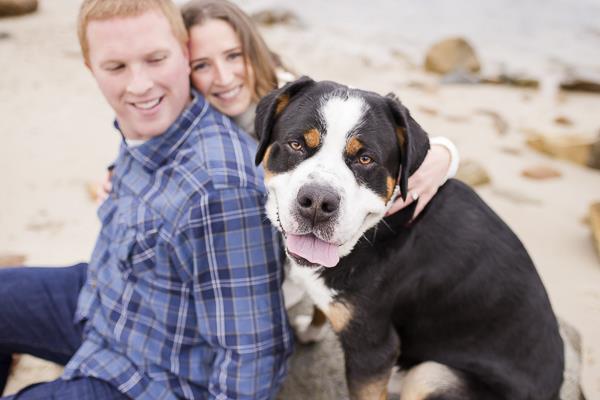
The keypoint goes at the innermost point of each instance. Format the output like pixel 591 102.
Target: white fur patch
pixel 315 286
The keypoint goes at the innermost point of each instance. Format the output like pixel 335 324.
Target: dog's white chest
pixel 315 286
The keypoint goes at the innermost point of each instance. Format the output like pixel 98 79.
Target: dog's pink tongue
pixel 313 249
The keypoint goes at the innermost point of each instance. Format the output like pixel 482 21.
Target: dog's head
pixel 334 159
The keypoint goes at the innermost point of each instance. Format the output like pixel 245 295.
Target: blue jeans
pixel 37 307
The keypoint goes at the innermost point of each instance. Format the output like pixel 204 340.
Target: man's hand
pixel 424 183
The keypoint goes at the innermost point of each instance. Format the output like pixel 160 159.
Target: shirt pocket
pixel 135 246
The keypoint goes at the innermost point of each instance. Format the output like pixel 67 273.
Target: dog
pixel 451 297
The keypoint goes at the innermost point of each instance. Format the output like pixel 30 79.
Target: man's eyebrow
pixel 158 52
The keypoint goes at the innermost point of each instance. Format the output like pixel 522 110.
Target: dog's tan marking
pixel 282 103
pixel 318 317
pixel 401 135
pixel 312 138
pixel 376 389
pixel 265 163
pixel 353 146
pixel 391 186
pixel 339 314
pixel 426 379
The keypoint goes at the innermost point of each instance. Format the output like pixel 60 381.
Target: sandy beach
pixel 58 140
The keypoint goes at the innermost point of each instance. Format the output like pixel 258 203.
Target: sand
pixel 58 139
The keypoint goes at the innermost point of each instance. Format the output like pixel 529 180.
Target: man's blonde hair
pixel 106 9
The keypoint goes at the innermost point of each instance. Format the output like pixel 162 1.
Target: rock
pixel 12 260
pixel 450 55
pixel 581 81
pixel 572 147
pixel 517 80
pixel 9 8
pixel 316 371
pixel 277 16
pixel 562 120
pixel 472 173
pixel 594 158
pixel 571 387
pixel 595 223
pixel 541 172
pixel 499 123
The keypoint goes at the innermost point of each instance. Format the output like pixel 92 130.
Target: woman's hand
pixel 105 187
pixel 424 183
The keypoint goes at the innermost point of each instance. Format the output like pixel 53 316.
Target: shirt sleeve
pixel 237 276
pixel 454 155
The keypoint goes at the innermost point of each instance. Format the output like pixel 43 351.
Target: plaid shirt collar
pixel 155 151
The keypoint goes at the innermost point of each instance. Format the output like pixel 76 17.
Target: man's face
pixel 142 70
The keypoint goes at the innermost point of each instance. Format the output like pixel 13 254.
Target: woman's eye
pixel 157 60
pixel 233 56
pixel 295 145
pixel 199 66
pixel 365 160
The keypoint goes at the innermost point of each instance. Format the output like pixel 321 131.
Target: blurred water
pixel 538 37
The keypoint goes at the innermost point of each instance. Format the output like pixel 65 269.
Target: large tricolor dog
pixel 451 297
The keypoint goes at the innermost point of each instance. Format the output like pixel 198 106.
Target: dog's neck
pixel 392 225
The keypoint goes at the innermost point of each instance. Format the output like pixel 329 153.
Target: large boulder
pixel 452 54
pixel 9 8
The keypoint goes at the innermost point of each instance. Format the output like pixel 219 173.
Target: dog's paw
pixel 307 333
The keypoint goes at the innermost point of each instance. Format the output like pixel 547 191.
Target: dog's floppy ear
pixel 270 107
pixel 414 142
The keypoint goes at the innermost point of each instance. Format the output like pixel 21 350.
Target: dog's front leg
pixel 369 361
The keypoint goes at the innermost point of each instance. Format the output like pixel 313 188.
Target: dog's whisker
pixel 383 221
pixel 368 241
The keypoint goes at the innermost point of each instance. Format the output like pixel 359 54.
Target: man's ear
pixel 413 141
pixel 270 107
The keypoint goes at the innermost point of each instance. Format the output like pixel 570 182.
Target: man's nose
pixel 140 82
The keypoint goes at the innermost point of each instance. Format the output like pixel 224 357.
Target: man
pixel 181 298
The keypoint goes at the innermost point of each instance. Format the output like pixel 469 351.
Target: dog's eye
pixel 365 160
pixel 295 145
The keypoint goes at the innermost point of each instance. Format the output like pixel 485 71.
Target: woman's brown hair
pixel 256 52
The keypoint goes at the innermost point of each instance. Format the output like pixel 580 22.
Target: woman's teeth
pixel 230 93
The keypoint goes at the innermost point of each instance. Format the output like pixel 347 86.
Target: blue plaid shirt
pixel 183 294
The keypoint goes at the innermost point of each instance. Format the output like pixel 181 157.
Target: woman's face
pixel 218 68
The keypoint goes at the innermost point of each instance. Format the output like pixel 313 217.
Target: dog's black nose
pixel 318 203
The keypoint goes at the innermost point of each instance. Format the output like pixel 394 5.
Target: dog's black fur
pixel 454 286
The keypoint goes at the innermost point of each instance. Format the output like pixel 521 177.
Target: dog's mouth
pixel 309 250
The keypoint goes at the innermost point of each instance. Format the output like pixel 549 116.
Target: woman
pixel 233 68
